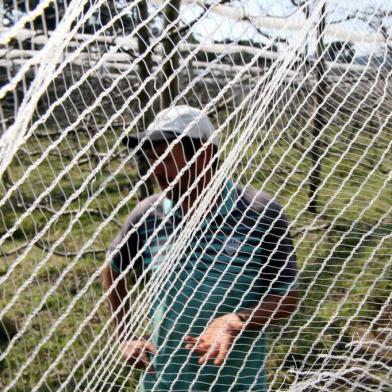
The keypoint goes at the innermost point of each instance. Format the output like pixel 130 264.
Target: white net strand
pixel 174 252
pixel 262 127
pixel 68 168
pixel 48 58
pixel 351 358
pixel 233 151
pixel 89 71
pixel 163 158
pixel 342 156
pixel 150 285
pixel 315 247
pixel 353 196
pixel 360 275
pixel 376 196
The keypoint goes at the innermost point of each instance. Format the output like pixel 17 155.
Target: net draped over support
pixel 300 96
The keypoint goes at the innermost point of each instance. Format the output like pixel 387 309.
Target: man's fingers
pixel 130 353
pixel 150 348
pixel 136 361
pixel 223 351
pixel 197 349
pixel 218 351
pixel 211 353
pixel 197 344
pixel 136 354
pixel 192 339
pixel 190 343
pixel 150 369
pixel 146 363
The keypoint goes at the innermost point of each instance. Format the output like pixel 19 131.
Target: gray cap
pixel 175 121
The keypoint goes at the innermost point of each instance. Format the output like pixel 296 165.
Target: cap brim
pixel 133 141
pixel 130 141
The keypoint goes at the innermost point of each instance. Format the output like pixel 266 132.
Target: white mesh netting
pixel 299 93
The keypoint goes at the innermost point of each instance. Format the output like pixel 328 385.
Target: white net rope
pixel 285 224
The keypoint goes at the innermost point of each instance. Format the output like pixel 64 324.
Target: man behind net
pixel 235 277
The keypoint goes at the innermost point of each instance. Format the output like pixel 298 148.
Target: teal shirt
pixel 233 259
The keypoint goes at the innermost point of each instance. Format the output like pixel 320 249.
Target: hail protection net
pixel 288 197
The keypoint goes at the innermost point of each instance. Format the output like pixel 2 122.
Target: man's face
pixel 169 167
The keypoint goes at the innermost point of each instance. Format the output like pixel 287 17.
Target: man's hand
pixel 135 352
pixel 217 339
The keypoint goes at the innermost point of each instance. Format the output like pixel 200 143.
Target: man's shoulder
pixel 258 201
pixel 150 207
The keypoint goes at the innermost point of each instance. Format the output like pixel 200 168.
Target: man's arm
pixel 273 308
pixel 135 350
pixel 122 252
pixel 116 297
pixel 216 341
pixel 277 276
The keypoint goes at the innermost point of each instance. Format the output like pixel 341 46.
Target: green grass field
pixel 344 258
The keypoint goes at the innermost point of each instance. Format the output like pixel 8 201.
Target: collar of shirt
pixel 225 205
